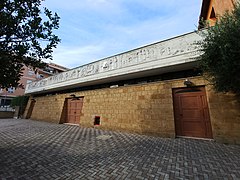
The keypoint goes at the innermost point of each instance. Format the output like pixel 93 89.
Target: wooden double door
pixel 74 109
pixel 191 113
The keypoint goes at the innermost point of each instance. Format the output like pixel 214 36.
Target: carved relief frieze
pixel 174 47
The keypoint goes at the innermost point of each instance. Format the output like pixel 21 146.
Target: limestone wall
pixel 225 116
pixel 145 109
pixel 47 108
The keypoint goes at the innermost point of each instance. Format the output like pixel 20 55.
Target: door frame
pixel 30 109
pixel 65 109
pixel 208 124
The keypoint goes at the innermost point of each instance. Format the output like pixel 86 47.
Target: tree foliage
pixel 19 101
pixel 220 59
pixel 26 37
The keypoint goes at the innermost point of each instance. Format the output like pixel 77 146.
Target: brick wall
pixel 145 109
pixel 221 6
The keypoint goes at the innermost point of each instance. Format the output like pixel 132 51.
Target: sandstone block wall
pixel 47 108
pixel 143 108
pixel 225 116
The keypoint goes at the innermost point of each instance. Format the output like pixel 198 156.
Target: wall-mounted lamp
pixel 187 83
pixel 73 95
pixel 114 86
pixel 33 100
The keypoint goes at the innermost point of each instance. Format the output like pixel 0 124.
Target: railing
pixel 6 108
pixel 181 49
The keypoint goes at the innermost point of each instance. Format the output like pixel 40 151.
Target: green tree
pixel 20 101
pixel 26 37
pixel 220 59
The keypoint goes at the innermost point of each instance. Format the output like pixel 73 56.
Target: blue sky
pixel 94 29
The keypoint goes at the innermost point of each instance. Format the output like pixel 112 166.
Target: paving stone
pixel 39 150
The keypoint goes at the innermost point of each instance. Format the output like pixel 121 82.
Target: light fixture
pixel 187 82
pixel 33 100
pixel 74 97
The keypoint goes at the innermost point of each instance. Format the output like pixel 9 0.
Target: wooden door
pixel 74 108
pixel 191 113
pixel 30 110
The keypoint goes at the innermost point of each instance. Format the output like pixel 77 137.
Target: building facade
pixel 28 75
pixel 155 89
pixel 213 9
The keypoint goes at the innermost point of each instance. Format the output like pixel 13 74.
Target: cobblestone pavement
pixel 39 150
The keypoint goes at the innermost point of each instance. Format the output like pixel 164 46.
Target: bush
pixel 220 59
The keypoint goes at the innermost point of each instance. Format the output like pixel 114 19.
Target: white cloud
pixel 75 56
pixel 93 29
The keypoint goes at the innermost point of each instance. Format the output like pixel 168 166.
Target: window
pixel 11 90
pixel 30 72
pixel 29 81
pixel 40 76
pixel 212 15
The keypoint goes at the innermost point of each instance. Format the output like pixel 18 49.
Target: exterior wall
pixel 220 7
pixel 28 75
pixel 4 94
pixel 144 109
pixel 225 116
pixel 48 108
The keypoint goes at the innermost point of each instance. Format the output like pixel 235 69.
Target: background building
pixel 29 75
pixel 213 9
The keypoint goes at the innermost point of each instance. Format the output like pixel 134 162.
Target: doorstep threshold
pixel 71 124
pixel 198 138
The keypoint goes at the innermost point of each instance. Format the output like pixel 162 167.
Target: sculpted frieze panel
pixel 173 47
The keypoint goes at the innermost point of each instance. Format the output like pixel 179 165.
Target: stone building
pixel 155 89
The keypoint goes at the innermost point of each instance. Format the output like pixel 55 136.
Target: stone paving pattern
pixel 40 150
